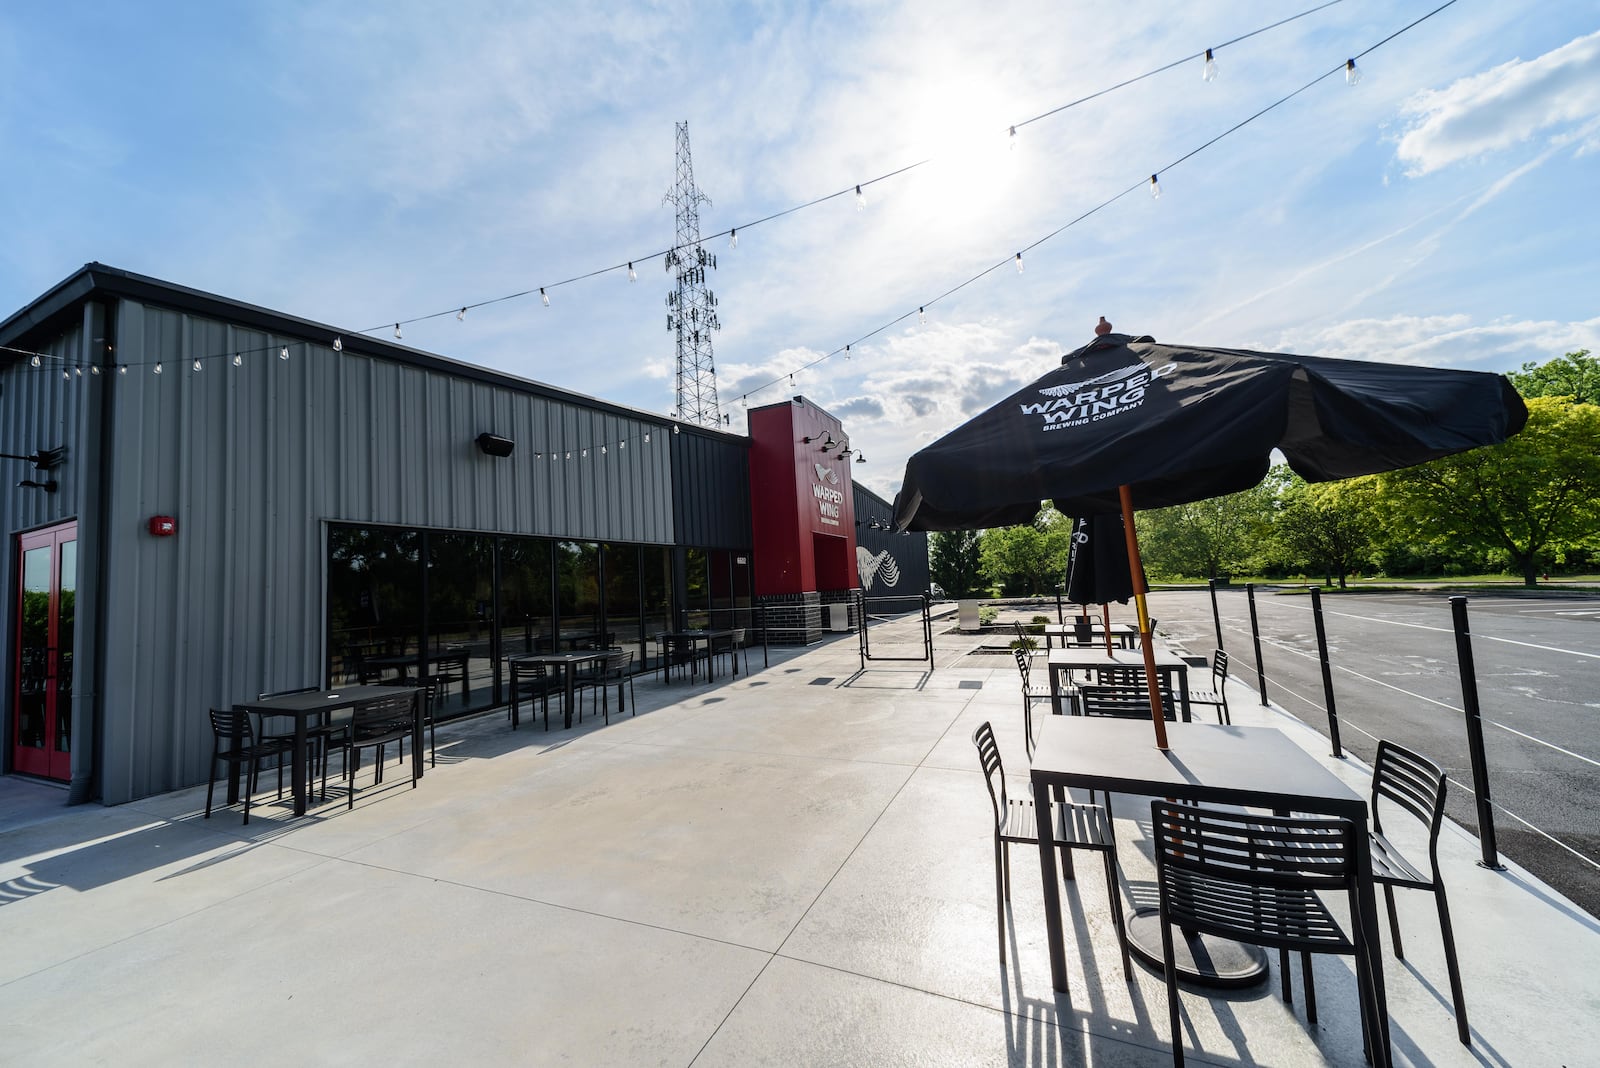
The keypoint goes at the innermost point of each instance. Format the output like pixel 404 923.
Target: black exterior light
pixel 48 485
pixel 860 459
pixel 495 445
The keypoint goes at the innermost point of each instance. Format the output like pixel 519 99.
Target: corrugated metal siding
pixel 909 551
pixel 711 502
pixel 252 460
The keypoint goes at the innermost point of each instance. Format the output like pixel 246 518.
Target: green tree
pixel 1029 558
pixel 1211 538
pixel 1575 375
pixel 954 561
pixel 1328 526
pixel 1529 497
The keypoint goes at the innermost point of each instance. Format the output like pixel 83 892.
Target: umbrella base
pixel 1204 960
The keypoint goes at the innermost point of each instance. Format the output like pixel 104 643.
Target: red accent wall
pixel 803 519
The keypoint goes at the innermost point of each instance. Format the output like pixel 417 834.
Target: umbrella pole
pixel 1105 619
pixel 1136 572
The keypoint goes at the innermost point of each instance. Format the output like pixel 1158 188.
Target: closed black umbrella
pixel 1128 423
pixel 1098 570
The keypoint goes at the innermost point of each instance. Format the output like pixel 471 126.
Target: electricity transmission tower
pixel 691 307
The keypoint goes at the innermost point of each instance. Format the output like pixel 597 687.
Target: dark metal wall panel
pixel 254 460
pixel 888 564
pixel 711 490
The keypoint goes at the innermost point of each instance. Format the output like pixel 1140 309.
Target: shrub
pixel 1041 620
pixel 987 614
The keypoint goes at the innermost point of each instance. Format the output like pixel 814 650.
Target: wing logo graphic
pixel 826 474
pixel 872 567
pixel 1067 389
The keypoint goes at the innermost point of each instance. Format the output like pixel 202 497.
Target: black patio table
pixel 670 639
pixel 302 707
pixel 1172 668
pixel 567 662
pixel 1123 635
pixel 1258 767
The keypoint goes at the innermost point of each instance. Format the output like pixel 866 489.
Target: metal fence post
pixel 1216 617
pixel 1255 636
pixel 1480 763
pixel 1327 672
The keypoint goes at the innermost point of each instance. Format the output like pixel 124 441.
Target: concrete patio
pixel 792 868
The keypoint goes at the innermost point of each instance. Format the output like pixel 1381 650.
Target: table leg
pixel 568 690
pixel 1052 899
pixel 1055 687
pixel 298 766
pixel 417 764
pixel 233 770
pixel 1378 1006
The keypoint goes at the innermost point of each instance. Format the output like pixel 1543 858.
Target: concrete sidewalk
pixel 793 867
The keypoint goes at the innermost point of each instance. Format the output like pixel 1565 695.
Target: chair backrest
pixel 1213 868
pixel 1127 684
pixel 228 724
pixel 1123 700
pixel 1411 781
pixel 989 760
pixel 390 713
pixel 618 661
pixel 1024 663
pixel 1219 670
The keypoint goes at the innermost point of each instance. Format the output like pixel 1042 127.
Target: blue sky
pixel 362 163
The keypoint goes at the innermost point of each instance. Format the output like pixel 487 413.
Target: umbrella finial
pixel 1102 328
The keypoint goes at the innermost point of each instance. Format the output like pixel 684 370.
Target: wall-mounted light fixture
pixel 43 460
pixel 48 485
pixel 495 445
pixel 827 442
pixel 860 459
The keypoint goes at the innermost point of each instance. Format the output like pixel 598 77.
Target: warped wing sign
pixel 873 566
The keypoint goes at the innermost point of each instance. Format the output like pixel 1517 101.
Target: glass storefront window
pixel 374 602
pixel 526 605
pixel 460 655
pixel 622 604
pixel 697 584
pixel 655 581
pixel 578 595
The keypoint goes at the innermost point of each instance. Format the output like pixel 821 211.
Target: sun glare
pixel 961 127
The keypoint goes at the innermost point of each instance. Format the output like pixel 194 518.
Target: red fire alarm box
pixel 163 526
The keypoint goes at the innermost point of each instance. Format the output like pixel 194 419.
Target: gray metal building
pixel 286 444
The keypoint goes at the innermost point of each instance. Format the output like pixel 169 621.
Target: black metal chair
pixel 233 742
pixel 322 736
pixel 1024 669
pixel 617 668
pixel 1417 785
pixel 1258 879
pixel 433 687
pixel 1073 825
pixel 531 681
pixel 1125 697
pixel 373 726
pixel 1218 694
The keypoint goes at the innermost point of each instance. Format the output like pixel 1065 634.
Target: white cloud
pixel 1446 340
pixel 1557 93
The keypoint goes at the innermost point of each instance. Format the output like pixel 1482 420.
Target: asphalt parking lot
pixel 1396 675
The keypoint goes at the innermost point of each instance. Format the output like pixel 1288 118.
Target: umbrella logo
pixel 871 567
pixel 826 474
pixel 1092 399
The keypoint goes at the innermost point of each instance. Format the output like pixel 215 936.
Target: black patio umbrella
pixel 1126 423
pixel 1098 571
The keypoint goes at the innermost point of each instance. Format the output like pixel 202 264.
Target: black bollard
pixel 1216 617
pixel 1327 672
pixel 1255 636
pixel 1480 763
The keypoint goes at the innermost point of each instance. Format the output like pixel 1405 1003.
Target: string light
pixel 338 345
pixel 861 199
pixel 1018 259
pixel 1155 188
pixel 123 370
pixel 34 362
pixel 544 296
pixel 1011 142
pixel 633 275
pixel 1209 71
pixel 158 367
pixel 397 331
pixel 1352 73
pixel 460 315
pixel 238 360
pixel 283 353
pixel 94 369
pixel 196 365
pixel 922 316
pixel 733 237
pixel 66 374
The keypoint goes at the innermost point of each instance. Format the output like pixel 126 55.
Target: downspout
pixel 94 528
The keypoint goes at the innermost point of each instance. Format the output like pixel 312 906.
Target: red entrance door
pixel 41 743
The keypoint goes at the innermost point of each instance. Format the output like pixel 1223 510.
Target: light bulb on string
pixel 196 365
pixel 94 369
pixel 633 275
pixel 1011 141
pixel 733 238
pixel 79 371
pixel 66 375
pixel 569 456
pixel 397 331
pixel 861 199
pixel 1352 73
pixel 123 370
pixel 283 353
pixel 338 345
pixel 585 454
pixel 602 450
pixel 1018 260
pixel 544 296
pixel 158 367
pixel 460 315
pixel 34 362
pixel 922 316
pixel 1155 187
pixel 847 352
pixel 1209 71
pixel 238 360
